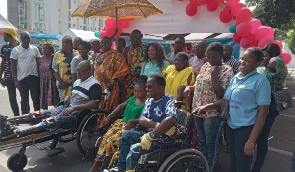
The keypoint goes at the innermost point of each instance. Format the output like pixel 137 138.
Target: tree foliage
pixel 278 14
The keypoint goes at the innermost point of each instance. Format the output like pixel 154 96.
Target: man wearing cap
pixel 10 36
pixel 25 73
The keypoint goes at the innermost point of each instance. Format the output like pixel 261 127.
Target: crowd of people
pixel 145 83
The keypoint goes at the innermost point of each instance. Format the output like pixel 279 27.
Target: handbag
pixel 281 100
pixel 224 109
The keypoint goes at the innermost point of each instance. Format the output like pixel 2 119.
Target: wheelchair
pixel 173 155
pixel 84 130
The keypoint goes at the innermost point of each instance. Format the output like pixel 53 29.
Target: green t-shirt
pixel 149 68
pixel 132 110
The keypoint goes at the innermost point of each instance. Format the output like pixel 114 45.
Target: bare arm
pixel 118 109
pixel 2 67
pixel 89 105
pixel 165 126
pixel 217 88
pixel 145 122
pixel 14 73
pixel 259 123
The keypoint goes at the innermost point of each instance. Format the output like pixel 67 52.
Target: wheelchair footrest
pixel 90 154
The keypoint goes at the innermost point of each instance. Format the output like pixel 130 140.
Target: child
pixel 133 108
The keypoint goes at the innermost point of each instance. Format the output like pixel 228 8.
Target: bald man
pixel 198 60
pixel 229 59
pixel 25 73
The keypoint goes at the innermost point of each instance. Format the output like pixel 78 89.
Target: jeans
pixel 262 140
pixel 129 149
pixel 30 84
pixel 293 163
pixel 12 96
pixel 236 139
pixel 209 130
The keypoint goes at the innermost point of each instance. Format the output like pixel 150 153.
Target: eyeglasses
pixel 81 70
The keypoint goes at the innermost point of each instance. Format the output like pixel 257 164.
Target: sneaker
pixel 115 169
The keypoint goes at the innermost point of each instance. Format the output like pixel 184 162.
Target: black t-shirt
pixel 5 54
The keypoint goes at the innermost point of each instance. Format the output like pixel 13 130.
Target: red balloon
pixel 110 23
pixel 225 15
pixel 110 31
pixel 263 42
pixel 279 43
pixel 195 2
pixel 237 8
pixel 243 29
pixel 244 15
pixel 212 6
pixel 191 9
pixel 264 32
pixel 103 34
pixel 125 23
pixel 236 38
pixel 219 1
pixel 203 2
pixel 255 24
pixel 287 57
pixel 248 41
pixel 232 3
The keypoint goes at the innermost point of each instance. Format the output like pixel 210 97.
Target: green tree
pixel 278 14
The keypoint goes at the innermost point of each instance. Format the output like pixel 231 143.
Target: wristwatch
pixel 152 134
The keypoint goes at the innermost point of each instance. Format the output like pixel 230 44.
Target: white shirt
pixel 196 63
pixel 26 60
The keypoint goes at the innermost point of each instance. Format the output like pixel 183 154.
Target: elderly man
pixel 179 46
pixel 10 35
pixel 159 115
pixel 25 73
pixel 86 94
pixel 198 60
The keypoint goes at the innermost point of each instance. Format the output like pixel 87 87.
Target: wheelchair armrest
pixel 167 141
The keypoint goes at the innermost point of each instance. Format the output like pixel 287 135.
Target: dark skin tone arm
pixel 1 72
pixel 74 77
pixel 162 128
pixel 217 88
pixel 89 105
pixel 117 110
pixel 60 82
pixel 14 75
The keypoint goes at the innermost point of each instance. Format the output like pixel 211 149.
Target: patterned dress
pixel 47 84
pixel 109 66
pixel 110 142
pixel 204 93
pixel 135 60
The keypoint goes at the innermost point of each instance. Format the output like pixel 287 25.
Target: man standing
pixel 25 73
pixel 61 66
pixel 10 35
pixel 198 60
pixel 179 46
pixel 134 55
pixel 76 43
pixel 229 59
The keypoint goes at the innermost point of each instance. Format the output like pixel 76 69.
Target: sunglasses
pixel 81 70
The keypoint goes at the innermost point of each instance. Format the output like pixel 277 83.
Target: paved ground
pixel 278 159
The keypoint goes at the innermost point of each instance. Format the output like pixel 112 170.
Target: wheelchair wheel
pixel 185 160
pixel 88 132
pixel 17 162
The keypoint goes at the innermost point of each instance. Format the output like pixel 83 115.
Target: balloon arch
pixel 248 32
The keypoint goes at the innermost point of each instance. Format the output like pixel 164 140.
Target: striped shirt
pixel 5 54
pixel 83 92
pixel 234 64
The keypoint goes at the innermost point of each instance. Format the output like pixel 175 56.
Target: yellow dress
pixel 175 79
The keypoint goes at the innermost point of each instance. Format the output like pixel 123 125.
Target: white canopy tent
pixel 175 21
pixel 4 23
pixel 73 33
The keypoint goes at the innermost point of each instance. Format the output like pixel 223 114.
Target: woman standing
pixel 179 76
pixel 210 86
pixel 109 68
pixel 248 95
pixel 154 60
pixel 276 72
pixel 47 84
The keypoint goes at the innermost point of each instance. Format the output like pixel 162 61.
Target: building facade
pixel 49 16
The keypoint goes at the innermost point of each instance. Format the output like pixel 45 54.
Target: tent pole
pixel 116 30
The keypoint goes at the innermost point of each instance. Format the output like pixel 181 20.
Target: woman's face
pixel 266 58
pixel 46 50
pixel 248 63
pixel 152 52
pixel 180 63
pixel 83 51
pixel 140 92
pixel 96 47
pixel 214 58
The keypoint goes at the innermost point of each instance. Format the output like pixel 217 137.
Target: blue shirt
pixel 156 111
pixel 245 98
pixel 149 68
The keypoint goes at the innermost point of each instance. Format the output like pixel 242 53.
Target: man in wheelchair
pixel 158 116
pixel 86 94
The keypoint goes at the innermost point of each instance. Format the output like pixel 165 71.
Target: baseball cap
pixel 12 32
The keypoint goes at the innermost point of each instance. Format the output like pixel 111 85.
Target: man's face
pixel 6 37
pixel 227 51
pixel 121 46
pixel 26 39
pixel 76 44
pixel 200 49
pixel 135 38
pixel 67 45
pixel 83 72
pixel 106 44
pixel 179 44
pixel 153 88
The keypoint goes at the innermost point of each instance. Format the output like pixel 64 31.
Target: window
pixel 90 28
pixel 74 25
pixel 39 12
pixel 85 20
pixel 69 15
pixel 69 1
pixel 80 26
pixel 84 27
pixel 69 25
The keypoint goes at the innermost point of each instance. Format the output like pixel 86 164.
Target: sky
pixel 3 8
